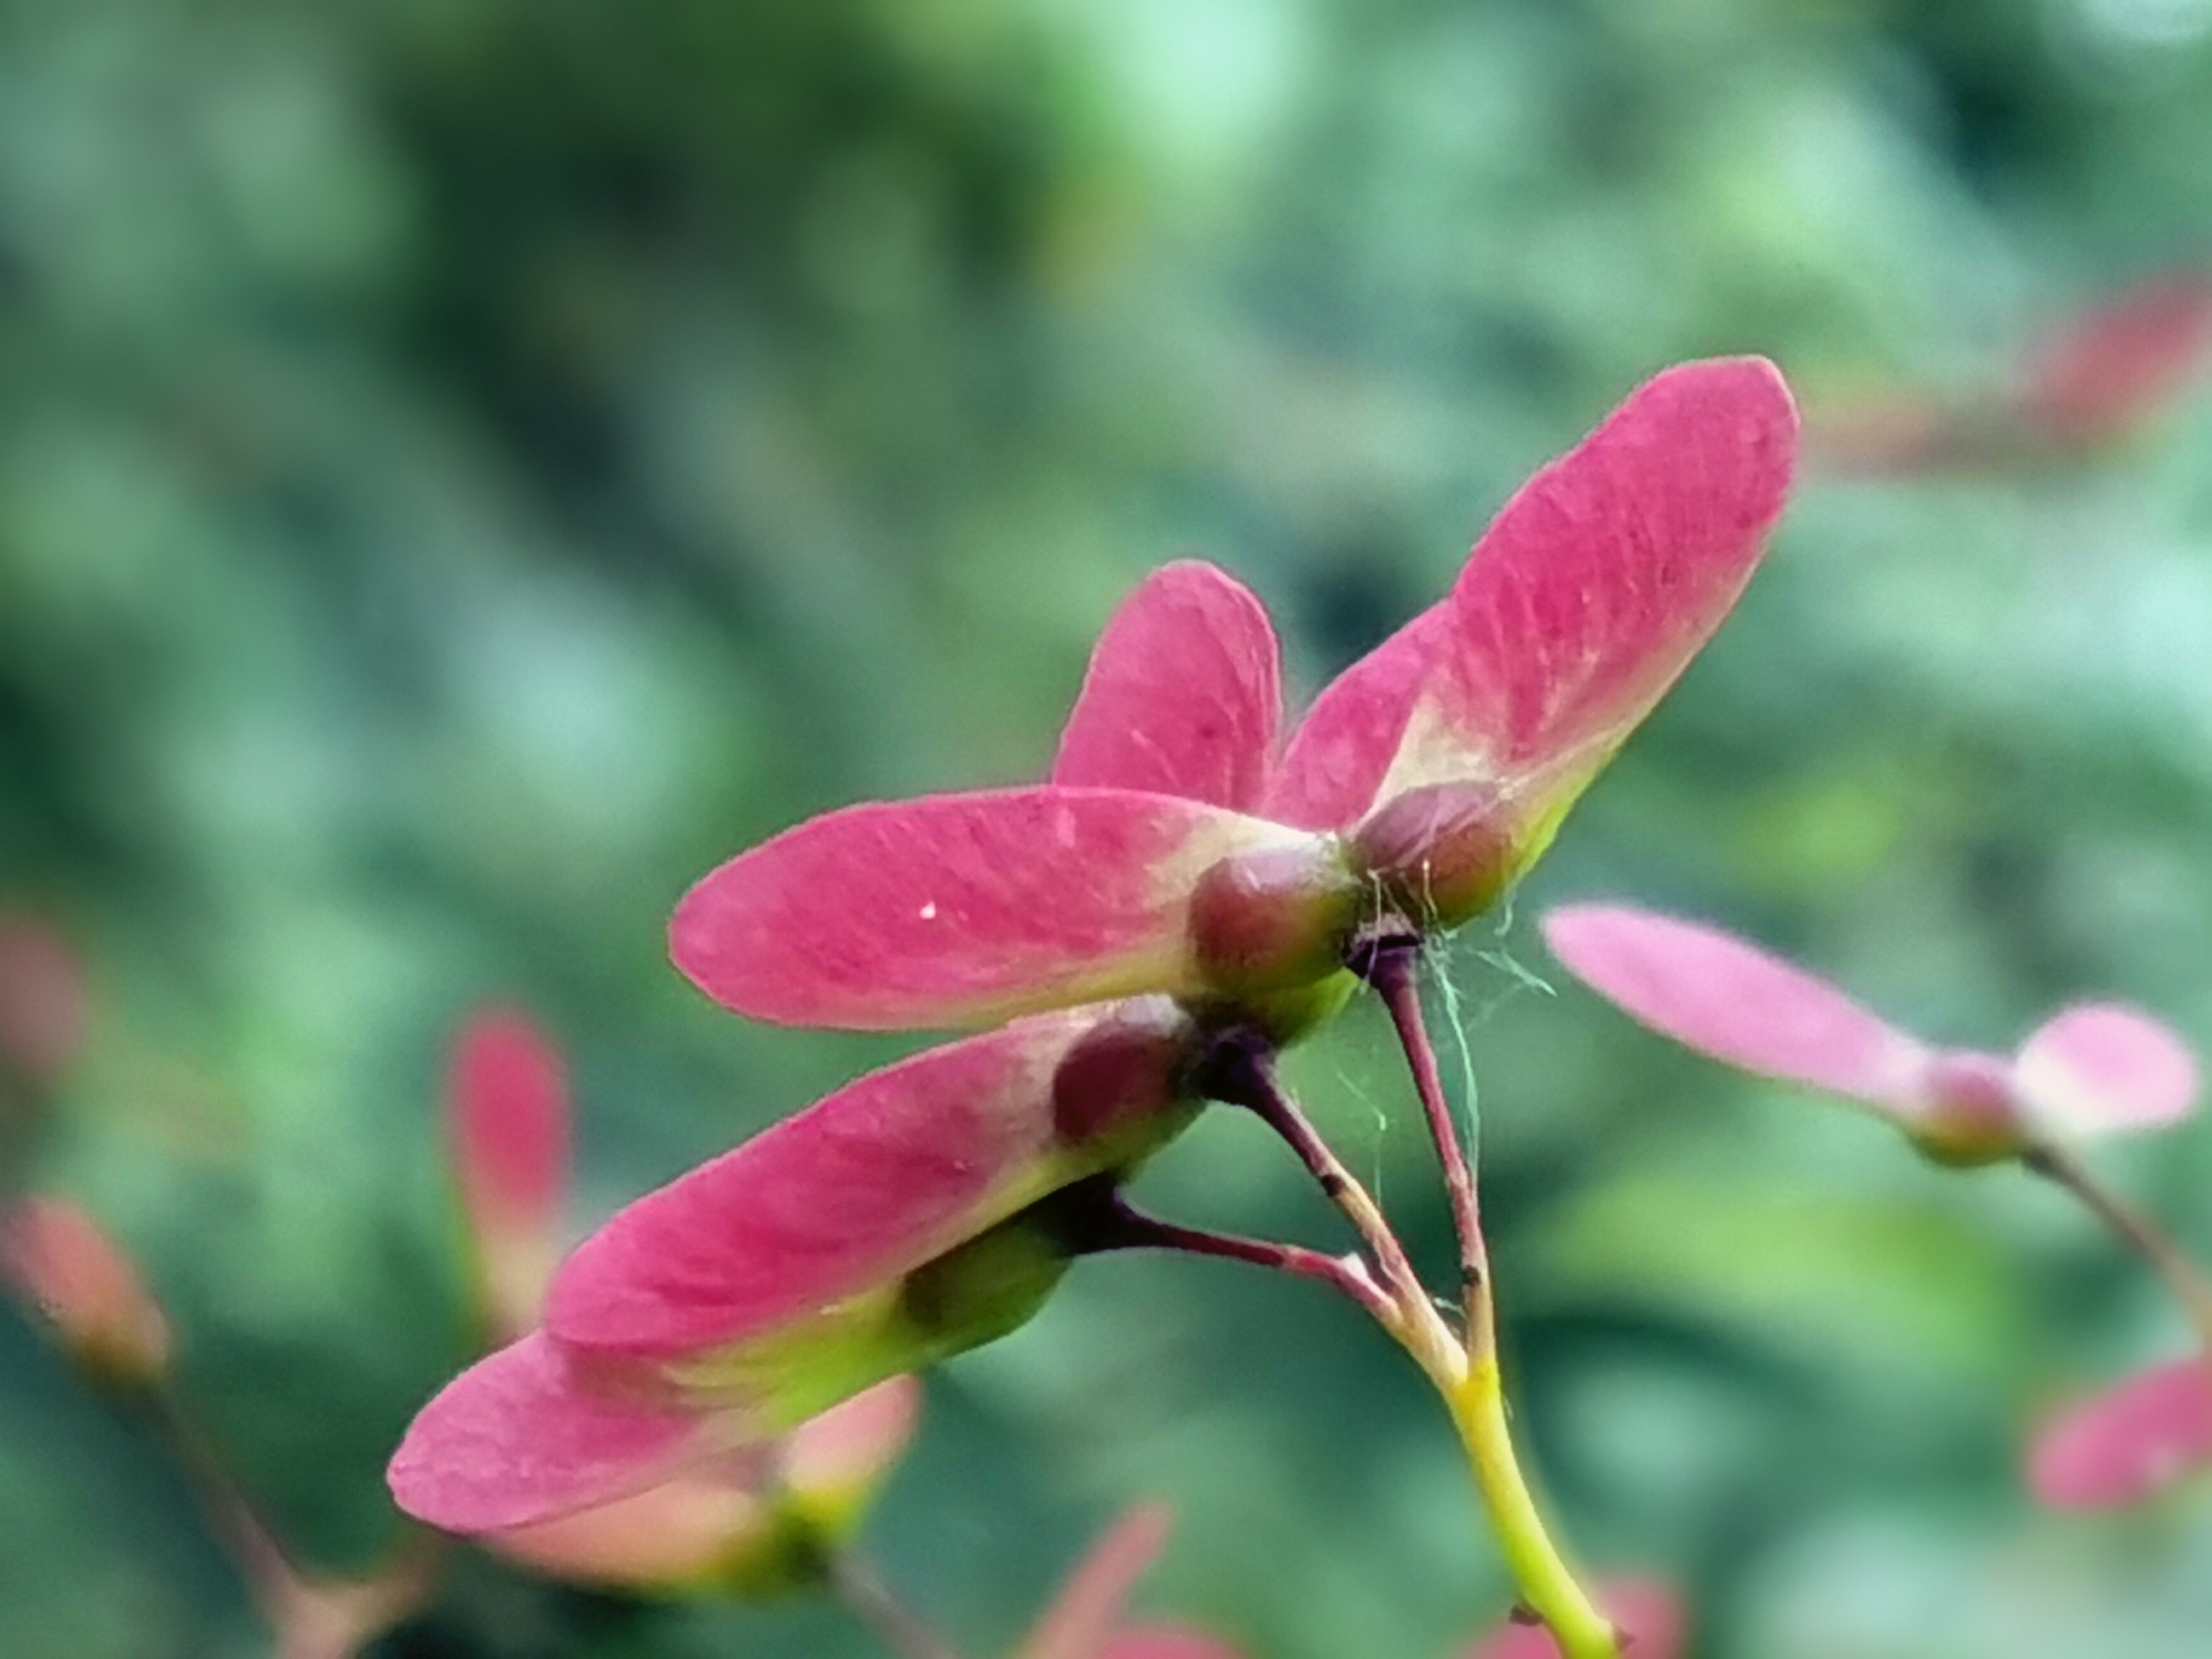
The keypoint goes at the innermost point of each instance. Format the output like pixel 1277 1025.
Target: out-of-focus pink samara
pixel 508 1118
pixel 2094 1069
pixel 2128 1443
pixel 56 1256
pixel 2088 386
pixel 1089 1619
pixel 1176 850
pixel 593 1470
pixel 42 999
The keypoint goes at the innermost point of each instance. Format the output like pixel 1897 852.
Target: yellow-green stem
pixel 1463 1369
pixel 1465 1373
pixel 1477 1403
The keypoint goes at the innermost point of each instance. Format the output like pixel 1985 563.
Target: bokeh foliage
pixel 467 465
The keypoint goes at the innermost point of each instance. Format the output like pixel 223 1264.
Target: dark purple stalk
pixel 1241 1072
pixel 1132 1229
pixel 1390 968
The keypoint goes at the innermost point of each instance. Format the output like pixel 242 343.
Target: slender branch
pixel 1126 1228
pixel 2186 1279
pixel 1463 1368
pixel 312 1618
pixel 866 1594
pixel 268 1568
pixel 1390 968
pixel 1243 1073
pixel 1548 1588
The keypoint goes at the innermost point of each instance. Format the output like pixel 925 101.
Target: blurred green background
pixel 466 466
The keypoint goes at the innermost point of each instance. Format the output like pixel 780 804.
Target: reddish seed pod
pixel 1275 919
pixel 1969 1112
pixel 1443 854
pixel 1119 1078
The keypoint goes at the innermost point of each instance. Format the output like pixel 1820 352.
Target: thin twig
pixel 312 1617
pixel 2183 1278
pixel 267 1566
pixel 866 1594
pixel 1132 1229
pixel 1389 969
pixel 1243 1074
pixel 1463 1367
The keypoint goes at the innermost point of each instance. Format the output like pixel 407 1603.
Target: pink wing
pixel 867 1185
pixel 53 1253
pixel 1612 566
pixel 2100 1068
pixel 1581 605
pixel 961 909
pixel 686 1532
pixel 2128 1443
pixel 43 1005
pixel 680 1534
pixel 508 1119
pixel 1184 696
pixel 508 1094
pixel 533 1433
pixel 1083 1615
pixel 1340 751
pixel 1711 991
pixel 851 1446
pixel 2117 366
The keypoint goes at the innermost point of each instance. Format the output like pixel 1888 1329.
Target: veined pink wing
pixel 2100 1068
pixel 870 1183
pixel 1582 602
pixel 2128 1443
pixel 1184 694
pixel 964 909
pixel 534 1431
pixel 1727 999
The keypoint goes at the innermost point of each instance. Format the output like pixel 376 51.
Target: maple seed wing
pixel 682 1534
pixel 85 1286
pixel 719 1523
pixel 2128 1443
pixel 2100 1068
pixel 2117 366
pixel 1184 694
pixel 507 1101
pixel 862 1188
pixel 1338 757
pixel 961 910
pixel 527 1434
pixel 1733 1002
pixel 507 1123
pixel 1610 570
pixel 835 1459
pixel 1582 602
pixel 1083 1615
